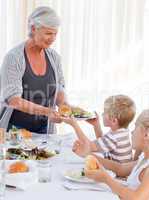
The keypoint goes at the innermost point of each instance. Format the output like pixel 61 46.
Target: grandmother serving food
pixel 32 77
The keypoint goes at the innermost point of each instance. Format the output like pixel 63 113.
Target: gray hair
pixel 43 16
pixel 143 119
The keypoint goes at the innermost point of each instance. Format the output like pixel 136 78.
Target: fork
pixel 82 188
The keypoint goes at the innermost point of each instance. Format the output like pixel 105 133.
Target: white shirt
pixel 133 179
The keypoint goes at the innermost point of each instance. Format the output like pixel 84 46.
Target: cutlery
pixel 82 188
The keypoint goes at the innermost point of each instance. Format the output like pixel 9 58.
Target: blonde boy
pixel 119 111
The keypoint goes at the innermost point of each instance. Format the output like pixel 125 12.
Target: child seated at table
pixel 119 111
pixel 137 184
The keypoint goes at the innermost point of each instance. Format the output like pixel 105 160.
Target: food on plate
pixel 43 154
pixel 76 112
pixel 28 144
pixel 18 167
pixel 65 110
pixel 16 153
pixel 82 172
pixel 32 154
pixel 91 163
pixel 80 113
pixel 25 134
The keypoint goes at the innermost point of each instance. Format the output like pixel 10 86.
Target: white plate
pixel 93 116
pixel 75 175
pixel 22 180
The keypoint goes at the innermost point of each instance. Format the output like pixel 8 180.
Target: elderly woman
pixel 32 78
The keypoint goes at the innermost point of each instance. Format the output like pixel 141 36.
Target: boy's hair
pixel 143 119
pixel 120 107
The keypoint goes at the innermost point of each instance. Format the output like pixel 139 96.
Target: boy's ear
pixel 115 120
pixel 146 134
pixel 146 131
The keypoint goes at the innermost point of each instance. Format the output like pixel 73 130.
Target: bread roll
pixel 91 163
pixel 18 167
pixel 25 134
pixel 65 110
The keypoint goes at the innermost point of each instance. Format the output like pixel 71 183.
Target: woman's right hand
pixel 54 117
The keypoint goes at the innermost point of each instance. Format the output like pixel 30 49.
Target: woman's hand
pixel 98 175
pixel 54 117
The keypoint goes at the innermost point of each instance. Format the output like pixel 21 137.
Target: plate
pixel 76 176
pixel 92 116
pixel 22 180
pixel 29 154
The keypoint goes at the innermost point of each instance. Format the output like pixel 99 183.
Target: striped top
pixel 12 71
pixel 116 145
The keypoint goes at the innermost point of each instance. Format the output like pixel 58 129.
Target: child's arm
pixel 125 193
pixel 94 146
pixel 97 145
pixel 121 170
pixel 81 135
pixel 96 125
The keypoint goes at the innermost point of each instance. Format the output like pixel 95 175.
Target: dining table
pixel 57 188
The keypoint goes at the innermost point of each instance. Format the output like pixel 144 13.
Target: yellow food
pixel 91 163
pixel 65 110
pixel 25 133
pixel 18 167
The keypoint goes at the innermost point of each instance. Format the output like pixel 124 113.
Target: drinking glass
pixel 2 179
pixel 44 171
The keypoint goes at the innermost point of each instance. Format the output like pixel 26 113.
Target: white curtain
pixel 100 42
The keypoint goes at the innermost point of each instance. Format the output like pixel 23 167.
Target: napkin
pixel 22 180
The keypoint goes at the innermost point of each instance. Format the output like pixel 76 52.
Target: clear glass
pixel 44 171
pixel 2 179
pixel 55 142
pixel 15 137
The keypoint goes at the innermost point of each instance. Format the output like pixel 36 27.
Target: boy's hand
pixel 94 122
pixel 81 148
pixel 69 120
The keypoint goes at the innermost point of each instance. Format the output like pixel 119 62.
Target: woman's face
pixel 138 135
pixel 44 36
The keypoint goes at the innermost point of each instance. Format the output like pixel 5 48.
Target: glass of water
pixel 2 179
pixel 44 171
pixel 55 143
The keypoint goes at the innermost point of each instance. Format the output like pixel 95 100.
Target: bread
pixel 18 167
pixel 65 110
pixel 91 163
pixel 25 134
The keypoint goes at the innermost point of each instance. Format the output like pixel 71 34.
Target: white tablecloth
pixel 55 190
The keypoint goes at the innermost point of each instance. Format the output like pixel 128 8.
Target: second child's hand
pixel 81 148
pixel 68 120
pixel 96 125
pixel 95 121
